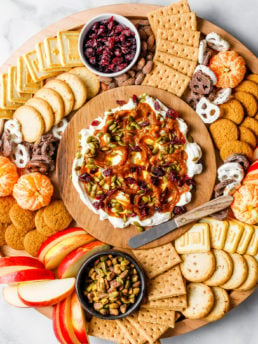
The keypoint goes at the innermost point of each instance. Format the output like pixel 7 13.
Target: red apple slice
pixel 10 269
pixel 27 275
pixel 57 253
pixel 56 238
pixel 71 264
pixel 20 261
pixel 79 323
pixel 56 325
pixel 10 294
pixel 65 322
pixel 46 293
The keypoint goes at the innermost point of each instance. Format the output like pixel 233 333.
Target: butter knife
pixel 159 231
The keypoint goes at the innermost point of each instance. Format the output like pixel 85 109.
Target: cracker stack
pixel 177 41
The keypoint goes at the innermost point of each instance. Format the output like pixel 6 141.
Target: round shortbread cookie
pixel 77 86
pixel 44 109
pixel 233 110
pixel 55 101
pixel 223 270
pixel 198 267
pixel 221 304
pixel 246 135
pixel 65 92
pixel 200 301
pixel 248 86
pixel 248 101
pixel 31 121
pixel 90 80
pixel 240 271
pixel 251 280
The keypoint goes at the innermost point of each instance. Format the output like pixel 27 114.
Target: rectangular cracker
pixel 252 248
pixel 195 240
pixel 218 231
pixel 68 45
pixel 4 101
pixel 176 49
pixel 25 83
pixel 158 259
pixel 186 37
pixel 152 332
pixel 167 79
pixel 180 64
pixel 157 316
pixel 169 284
pixel 245 238
pixel 32 62
pixel 12 93
pixel 175 303
pixel 42 58
pixel 107 329
pixel 131 332
pixel 234 234
pixel 183 21
pixel 172 9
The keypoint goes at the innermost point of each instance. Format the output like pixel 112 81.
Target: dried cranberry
pixel 179 210
pixel 120 102
pixel 133 169
pixel 136 148
pixel 95 123
pixel 171 113
pixel 85 177
pixel 111 42
pixel 89 52
pixel 157 171
pixel 130 180
pixel 121 67
pixel 98 205
pixel 118 28
pixel 180 182
pixel 189 181
pixel 118 52
pixel 94 170
pixel 101 197
pixel 95 26
pixel 133 214
pixel 92 60
pixel 111 192
pixel 110 23
pixel 144 124
pixel 142 184
pixel 125 49
pixel 173 176
pixel 107 172
pixel 156 105
pixel 154 180
pixel 144 211
pixel 117 60
pixel 135 98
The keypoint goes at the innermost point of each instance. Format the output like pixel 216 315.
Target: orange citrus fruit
pixel 33 191
pixel 245 204
pixel 8 176
pixel 229 68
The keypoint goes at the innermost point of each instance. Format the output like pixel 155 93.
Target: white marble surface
pixel 19 19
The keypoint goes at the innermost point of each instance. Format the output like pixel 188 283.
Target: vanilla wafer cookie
pixel 198 267
pixel 183 21
pixel 167 79
pixel 177 49
pixel 223 268
pixel 186 37
pixel 196 240
pixel 180 64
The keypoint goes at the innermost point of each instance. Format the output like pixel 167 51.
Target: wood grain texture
pixel 103 230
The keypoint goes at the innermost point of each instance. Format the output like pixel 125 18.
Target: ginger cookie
pixel 44 109
pixel 248 101
pixel 31 121
pixel 56 216
pixel 200 301
pixel 90 80
pixel 41 226
pixel 248 86
pixel 3 227
pixel 223 269
pixel 247 136
pixel 32 242
pixel 251 280
pixel 14 237
pixel 240 272
pixel 198 267
pixel 236 147
pixel 223 130
pixel 6 204
pixel 221 304
pixel 252 124
pixel 253 77
pixel 22 219
pixel 233 110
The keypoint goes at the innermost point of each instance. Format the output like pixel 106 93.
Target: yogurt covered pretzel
pixel 222 96
pixel 231 170
pixel 21 156
pixel 13 129
pixel 206 70
pixel 207 111
pixel 216 42
pixel 59 129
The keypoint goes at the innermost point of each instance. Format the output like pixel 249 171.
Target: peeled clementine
pixel 8 176
pixel 245 204
pixel 33 191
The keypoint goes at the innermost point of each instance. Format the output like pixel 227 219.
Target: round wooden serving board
pixel 104 230
pixel 132 11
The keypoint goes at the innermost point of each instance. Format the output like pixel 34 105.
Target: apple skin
pixel 78 320
pixel 27 275
pixel 10 295
pixel 56 238
pixel 25 292
pixel 20 261
pixel 56 325
pixel 58 252
pixel 71 264
pixel 65 322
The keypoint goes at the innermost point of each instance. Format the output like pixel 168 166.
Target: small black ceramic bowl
pixel 82 275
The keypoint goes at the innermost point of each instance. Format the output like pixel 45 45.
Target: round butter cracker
pixel 44 109
pixel 240 271
pixel 64 90
pixel 221 304
pixel 251 279
pixel 198 267
pixel 90 80
pixel 223 270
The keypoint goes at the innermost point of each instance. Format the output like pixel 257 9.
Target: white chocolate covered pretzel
pixel 206 70
pixel 216 42
pixel 13 129
pixel 21 156
pixel 231 170
pixel 207 111
pixel 202 50
pixel 222 96
pixel 59 129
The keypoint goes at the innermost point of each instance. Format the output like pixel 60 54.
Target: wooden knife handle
pixel 203 210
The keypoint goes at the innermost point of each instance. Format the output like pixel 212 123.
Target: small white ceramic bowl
pixel 121 20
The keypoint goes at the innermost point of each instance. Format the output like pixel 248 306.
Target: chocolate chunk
pixel 201 83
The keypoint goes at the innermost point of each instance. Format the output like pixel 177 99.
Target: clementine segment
pixel 8 176
pixel 33 191
pixel 229 68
